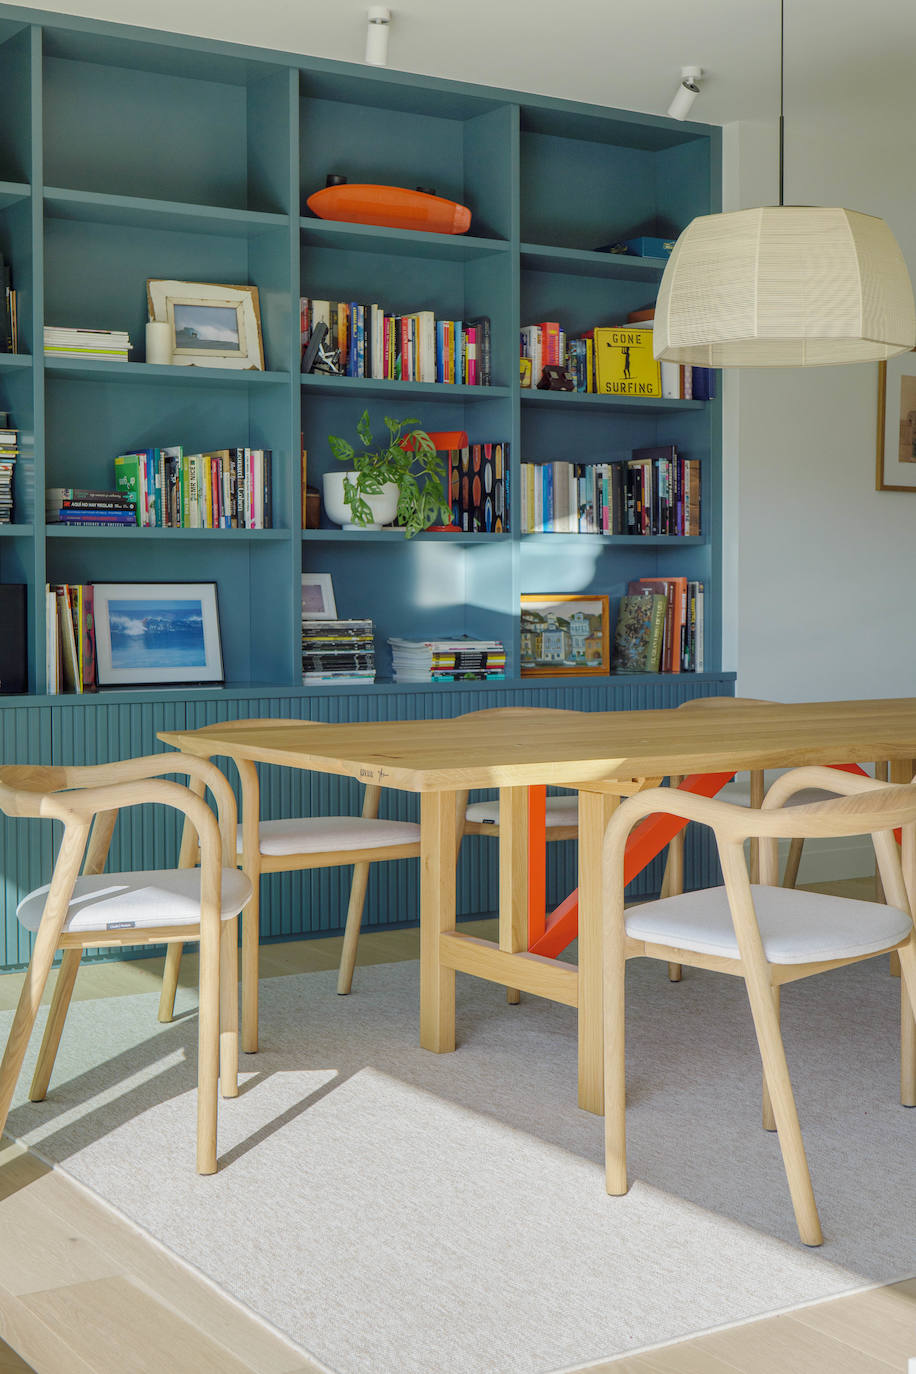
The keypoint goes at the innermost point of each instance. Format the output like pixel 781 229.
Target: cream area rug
pixel 398 1212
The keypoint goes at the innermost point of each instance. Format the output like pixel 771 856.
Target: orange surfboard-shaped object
pixel 392 206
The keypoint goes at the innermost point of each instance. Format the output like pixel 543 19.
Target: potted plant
pixel 402 479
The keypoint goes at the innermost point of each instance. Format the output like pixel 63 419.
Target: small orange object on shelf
pixel 391 206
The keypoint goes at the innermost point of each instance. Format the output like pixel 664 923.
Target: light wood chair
pixel 284 846
pixel 764 933
pixel 97 909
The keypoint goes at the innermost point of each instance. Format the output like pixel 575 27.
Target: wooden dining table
pixel 603 755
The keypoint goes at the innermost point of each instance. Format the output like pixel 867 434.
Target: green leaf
pixel 340 448
pixel 364 429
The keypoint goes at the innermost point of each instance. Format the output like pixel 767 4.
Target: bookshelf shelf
pixel 16 531
pixel 137 212
pixel 549 539
pixel 15 360
pixel 12 191
pixel 581 263
pixel 624 404
pixel 455 537
pixel 178 535
pixel 154 374
pixel 323 385
pixel 412 243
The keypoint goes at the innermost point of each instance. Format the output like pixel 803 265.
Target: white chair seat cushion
pixel 559 811
pixel 796 927
pixel 114 901
pixel 326 834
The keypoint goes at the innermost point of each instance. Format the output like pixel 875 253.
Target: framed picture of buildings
pixel 896 469
pixel 565 635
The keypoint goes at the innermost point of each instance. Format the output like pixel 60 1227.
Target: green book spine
pixel 128 481
pixel 639 633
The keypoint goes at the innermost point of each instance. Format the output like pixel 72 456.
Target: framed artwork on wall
pixel 157 633
pixel 318 601
pixel 212 325
pixel 565 635
pixel 896 448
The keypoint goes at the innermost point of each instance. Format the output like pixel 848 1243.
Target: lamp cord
pixel 781 88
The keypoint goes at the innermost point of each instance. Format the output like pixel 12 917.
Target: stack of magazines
pixel 337 651
pixel 9 451
pixel 448 660
pixel 107 345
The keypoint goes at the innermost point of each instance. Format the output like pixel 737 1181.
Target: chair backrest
pixel 859 806
pixel 701 703
pixel 545 713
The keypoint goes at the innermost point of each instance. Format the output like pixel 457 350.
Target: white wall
pixel 820 565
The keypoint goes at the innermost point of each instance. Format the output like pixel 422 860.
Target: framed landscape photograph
pixel 565 636
pixel 896 456
pixel 318 597
pixel 212 325
pixel 157 633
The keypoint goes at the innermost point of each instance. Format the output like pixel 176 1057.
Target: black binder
pixel 13 672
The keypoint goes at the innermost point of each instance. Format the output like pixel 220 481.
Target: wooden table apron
pixel 441 758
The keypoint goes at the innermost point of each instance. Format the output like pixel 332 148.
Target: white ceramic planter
pixel 384 507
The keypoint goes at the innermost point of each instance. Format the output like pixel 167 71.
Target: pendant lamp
pixel 784 286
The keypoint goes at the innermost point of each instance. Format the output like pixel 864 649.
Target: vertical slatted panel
pixel 296 904
pixel 26 847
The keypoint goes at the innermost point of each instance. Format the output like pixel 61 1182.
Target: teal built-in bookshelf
pixel 128 154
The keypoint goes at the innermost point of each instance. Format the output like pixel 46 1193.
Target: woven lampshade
pixel 784 286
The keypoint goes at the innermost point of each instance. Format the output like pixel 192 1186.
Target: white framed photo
pixel 897 424
pixel 156 633
pixel 318 597
pixel 212 325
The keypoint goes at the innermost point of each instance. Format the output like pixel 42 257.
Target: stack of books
pixel 338 651
pixel 413 347
pixel 478 485
pixel 9 327
pixel 109 345
pixel 227 489
pixel 83 506
pixel 657 491
pixel 448 660
pixel 614 360
pixel 9 451
pixel 70 639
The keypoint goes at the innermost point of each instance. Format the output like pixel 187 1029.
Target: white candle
pixel 158 342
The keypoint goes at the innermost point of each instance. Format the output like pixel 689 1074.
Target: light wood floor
pixel 83 1292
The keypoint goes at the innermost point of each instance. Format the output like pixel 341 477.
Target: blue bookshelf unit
pixel 131 154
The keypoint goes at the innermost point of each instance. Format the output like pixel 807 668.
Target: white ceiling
pixel 612 52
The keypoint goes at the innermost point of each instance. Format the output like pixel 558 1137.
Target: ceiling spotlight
pixel 687 92
pixel 377 36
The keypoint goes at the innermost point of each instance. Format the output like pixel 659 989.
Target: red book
pixel 550 343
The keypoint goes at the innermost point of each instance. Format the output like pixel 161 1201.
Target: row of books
pixel 107 345
pixel 9 323
pixel 478 485
pixel 70 639
pixel 365 341
pixel 9 452
pixel 659 627
pixel 612 360
pixel 337 651
pixel 656 491
pixel 448 660
pixel 228 488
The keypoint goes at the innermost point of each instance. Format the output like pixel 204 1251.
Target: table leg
pixel 438 840
pixel 902 771
pixel 595 811
pixel 513 873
